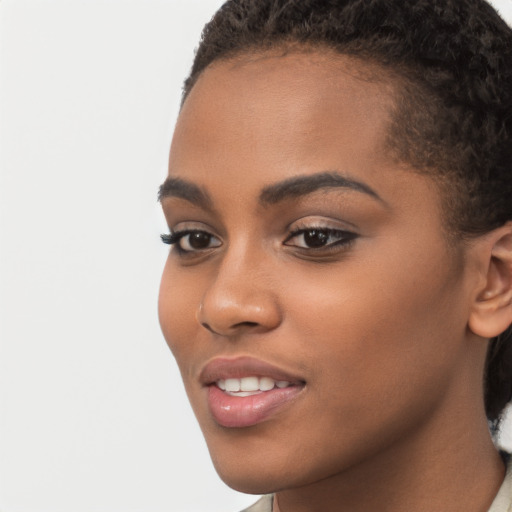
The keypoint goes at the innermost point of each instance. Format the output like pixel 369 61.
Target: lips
pixel 226 368
pixel 244 391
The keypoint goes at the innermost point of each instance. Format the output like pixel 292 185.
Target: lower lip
pixel 236 412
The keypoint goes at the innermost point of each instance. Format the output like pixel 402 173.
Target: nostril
pixel 234 326
pixel 207 327
pixel 246 324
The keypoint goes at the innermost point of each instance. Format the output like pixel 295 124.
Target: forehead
pixel 283 114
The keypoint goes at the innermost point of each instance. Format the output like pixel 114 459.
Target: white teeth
pixel 232 385
pixel 249 384
pixel 244 393
pixel 266 383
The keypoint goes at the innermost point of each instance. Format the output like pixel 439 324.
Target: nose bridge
pixel 240 295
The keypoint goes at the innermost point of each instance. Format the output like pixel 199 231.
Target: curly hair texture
pixel 450 62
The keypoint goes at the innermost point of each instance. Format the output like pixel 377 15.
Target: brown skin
pixel 391 417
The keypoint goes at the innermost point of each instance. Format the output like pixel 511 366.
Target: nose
pixel 240 299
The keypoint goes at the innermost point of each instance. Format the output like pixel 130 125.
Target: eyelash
pixel 175 238
pixel 345 238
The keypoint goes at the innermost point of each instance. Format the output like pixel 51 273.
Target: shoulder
pixel 264 504
pixel 503 500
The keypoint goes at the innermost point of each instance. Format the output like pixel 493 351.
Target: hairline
pixel 399 79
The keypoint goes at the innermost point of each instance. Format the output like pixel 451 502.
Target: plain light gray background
pixel 93 417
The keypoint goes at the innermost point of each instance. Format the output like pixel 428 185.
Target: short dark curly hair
pixel 452 63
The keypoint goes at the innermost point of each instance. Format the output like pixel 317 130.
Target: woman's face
pixel 309 269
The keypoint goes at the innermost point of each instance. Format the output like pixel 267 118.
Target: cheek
pixel 177 306
pixel 370 327
pixel 371 342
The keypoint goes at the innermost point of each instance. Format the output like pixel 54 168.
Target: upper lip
pixel 239 367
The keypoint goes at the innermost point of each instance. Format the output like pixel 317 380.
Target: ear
pixel 491 312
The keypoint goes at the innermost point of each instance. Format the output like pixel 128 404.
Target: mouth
pixel 243 392
pixel 249 386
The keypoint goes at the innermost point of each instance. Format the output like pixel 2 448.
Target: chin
pixel 253 471
pixel 246 475
pixel 251 483
pixel 267 468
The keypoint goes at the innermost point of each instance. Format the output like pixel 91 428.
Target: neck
pixel 444 465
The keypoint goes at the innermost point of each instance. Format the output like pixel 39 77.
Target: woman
pixel 338 295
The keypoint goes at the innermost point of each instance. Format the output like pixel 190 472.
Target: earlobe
pixel 491 312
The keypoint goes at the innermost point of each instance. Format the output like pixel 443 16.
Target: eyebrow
pixel 302 185
pixel 290 188
pixel 177 187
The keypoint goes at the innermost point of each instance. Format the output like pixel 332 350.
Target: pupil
pixel 315 238
pixel 199 240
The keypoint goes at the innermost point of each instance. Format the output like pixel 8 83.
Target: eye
pixel 190 241
pixel 319 238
